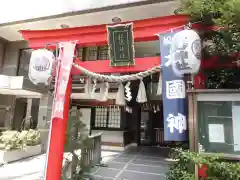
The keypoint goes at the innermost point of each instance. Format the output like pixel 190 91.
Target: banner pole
pixel 57 139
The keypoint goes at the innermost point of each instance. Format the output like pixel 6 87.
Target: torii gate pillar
pixel 57 140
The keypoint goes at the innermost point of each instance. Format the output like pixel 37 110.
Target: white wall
pixel 107 136
pixel 110 136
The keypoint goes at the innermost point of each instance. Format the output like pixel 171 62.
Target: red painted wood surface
pixel 144 30
pixel 103 66
pixel 57 140
pixel 200 81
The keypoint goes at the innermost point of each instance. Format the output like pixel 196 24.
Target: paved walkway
pixel 33 168
pixel 135 164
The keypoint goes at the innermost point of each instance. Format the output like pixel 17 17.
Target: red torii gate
pixel 144 30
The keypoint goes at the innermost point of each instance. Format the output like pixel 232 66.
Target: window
pixel 219 124
pixel 103 53
pixel 79 52
pixel 107 117
pixel 24 60
pixel 114 119
pixel 101 116
pixel 92 53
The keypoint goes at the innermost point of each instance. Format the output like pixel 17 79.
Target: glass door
pixel 219 123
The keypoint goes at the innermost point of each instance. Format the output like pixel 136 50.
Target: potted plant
pixel 16 145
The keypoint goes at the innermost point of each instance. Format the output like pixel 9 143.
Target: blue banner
pixel 175 102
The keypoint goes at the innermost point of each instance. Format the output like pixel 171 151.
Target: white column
pixel 29 108
pixel 44 118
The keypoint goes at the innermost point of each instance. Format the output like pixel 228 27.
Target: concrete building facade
pixel 14 107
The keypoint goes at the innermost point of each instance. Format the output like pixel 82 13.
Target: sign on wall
pixel 121 45
pixel 11 82
pixel 4 81
pixel 175 105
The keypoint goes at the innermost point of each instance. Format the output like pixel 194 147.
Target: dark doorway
pixel 19 113
pixel 34 112
pixel 151 125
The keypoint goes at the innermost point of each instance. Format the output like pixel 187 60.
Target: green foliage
pixel 31 137
pixel 184 166
pixel 11 140
pixel 221 13
pixel 227 78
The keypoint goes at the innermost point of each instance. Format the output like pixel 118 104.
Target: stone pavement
pixel 27 169
pixel 33 168
pixel 135 164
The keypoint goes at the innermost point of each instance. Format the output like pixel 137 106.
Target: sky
pixel 16 10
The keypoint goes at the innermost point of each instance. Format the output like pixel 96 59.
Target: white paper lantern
pixel 40 67
pixel 185 52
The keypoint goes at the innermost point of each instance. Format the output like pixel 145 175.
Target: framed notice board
pixel 121 45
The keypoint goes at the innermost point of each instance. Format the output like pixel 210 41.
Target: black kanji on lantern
pixel 180 57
